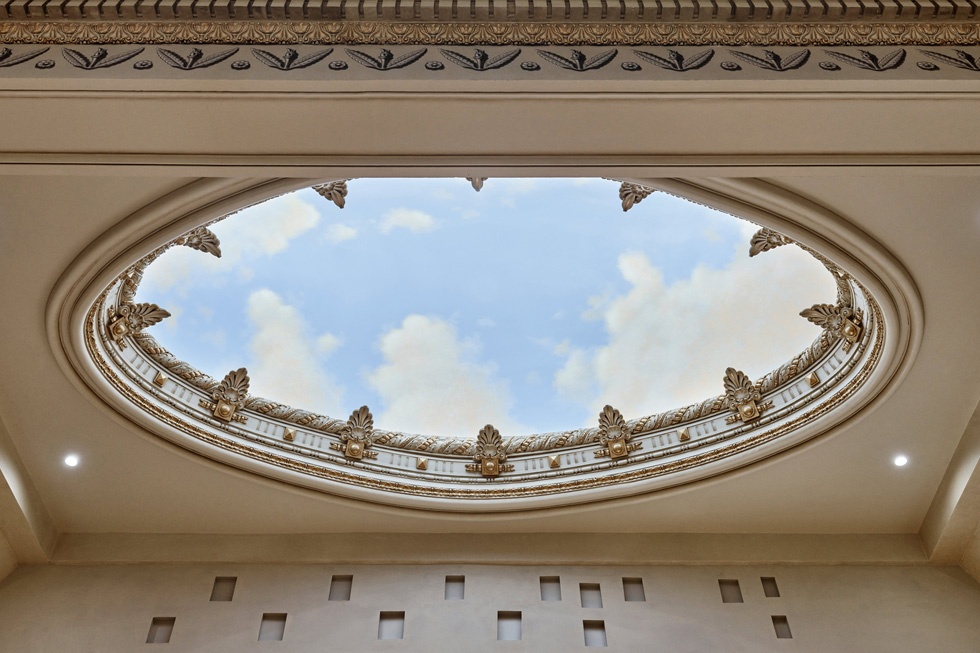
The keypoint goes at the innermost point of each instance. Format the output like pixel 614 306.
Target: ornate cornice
pixel 384 32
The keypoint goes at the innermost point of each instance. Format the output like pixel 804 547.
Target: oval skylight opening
pixel 529 304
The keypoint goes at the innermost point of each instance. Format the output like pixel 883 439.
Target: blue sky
pixel 528 305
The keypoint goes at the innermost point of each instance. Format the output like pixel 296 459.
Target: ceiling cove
pixel 869 337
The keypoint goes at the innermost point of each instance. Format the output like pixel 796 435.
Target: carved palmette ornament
pixel 358 435
pixel 614 435
pixel 743 396
pixel 202 239
pixel 335 191
pixel 839 321
pixel 490 454
pixel 766 239
pixel 229 396
pixel 133 318
pixel 632 194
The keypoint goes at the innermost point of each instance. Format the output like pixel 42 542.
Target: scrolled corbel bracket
pixel 743 397
pixel 201 239
pixel 766 239
pixel 614 435
pixel 335 191
pixel 633 194
pixel 490 454
pixel 229 396
pixel 357 436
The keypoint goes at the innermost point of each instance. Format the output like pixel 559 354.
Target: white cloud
pixel 411 219
pixel 669 345
pixel 327 344
pixel 486 322
pixel 470 214
pixel 173 321
pixel 432 383
pixel 262 230
pixel 338 233
pixel 283 364
pixel 513 188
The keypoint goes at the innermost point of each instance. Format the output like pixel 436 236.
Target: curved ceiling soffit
pixel 869 337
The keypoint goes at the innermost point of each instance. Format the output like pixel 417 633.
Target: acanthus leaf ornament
pixel 841 322
pixel 335 191
pixel 632 194
pixel 132 318
pixel 202 239
pixel 477 182
pixel 490 454
pixel 229 396
pixel 766 239
pixel 615 435
pixel 744 397
pixel 357 435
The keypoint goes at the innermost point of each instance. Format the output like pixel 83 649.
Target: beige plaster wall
pixel 8 559
pixel 829 608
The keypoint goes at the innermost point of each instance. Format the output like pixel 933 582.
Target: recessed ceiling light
pixel 71 460
pixel 900 461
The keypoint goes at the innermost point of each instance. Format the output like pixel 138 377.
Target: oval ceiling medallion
pixel 864 340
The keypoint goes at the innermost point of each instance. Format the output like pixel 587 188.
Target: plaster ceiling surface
pixel 129 482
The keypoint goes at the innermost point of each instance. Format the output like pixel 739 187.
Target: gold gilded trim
pixel 350 32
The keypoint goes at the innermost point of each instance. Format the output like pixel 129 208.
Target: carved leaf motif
pixel 360 426
pixel 476 182
pixel 869 61
pixel 233 388
pixel 335 191
pixel 632 194
pixel 825 316
pixel 612 426
pixel 292 60
pixel 739 388
pixel 558 60
pixel 194 60
pixel 6 60
pixel 578 62
pixel 773 61
pixel 140 316
pixel 600 60
pixel 99 58
pixel 205 240
pixel 675 60
pixel 364 59
pixel 480 61
pixel 766 239
pixel 489 444
pixel 963 60
pixel 386 61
